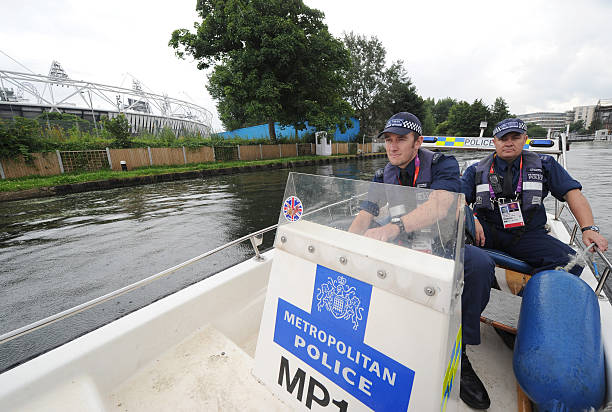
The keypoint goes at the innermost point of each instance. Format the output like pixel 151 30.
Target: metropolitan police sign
pixel 330 338
pixel 347 323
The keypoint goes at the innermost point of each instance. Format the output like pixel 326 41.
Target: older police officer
pixel 507 190
pixel 410 165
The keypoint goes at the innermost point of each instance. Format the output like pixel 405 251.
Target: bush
pixel 19 136
pixel 119 129
pixel 65 132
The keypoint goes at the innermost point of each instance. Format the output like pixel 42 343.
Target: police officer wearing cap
pixel 507 190
pixel 410 165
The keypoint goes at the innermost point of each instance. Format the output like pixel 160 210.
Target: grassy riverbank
pixel 36 182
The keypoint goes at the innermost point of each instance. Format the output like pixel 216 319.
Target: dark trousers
pixel 536 247
pixel 479 272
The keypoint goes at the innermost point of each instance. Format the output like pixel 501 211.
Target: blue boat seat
pixel 506 261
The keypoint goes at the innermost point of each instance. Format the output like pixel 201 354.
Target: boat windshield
pixel 432 221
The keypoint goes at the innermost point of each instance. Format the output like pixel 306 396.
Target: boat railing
pixel 573 230
pixel 256 239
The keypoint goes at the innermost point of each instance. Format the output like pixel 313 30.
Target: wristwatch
pixel 593 228
pixel 398 221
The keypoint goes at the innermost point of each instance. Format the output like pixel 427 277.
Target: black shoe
pixel 471 389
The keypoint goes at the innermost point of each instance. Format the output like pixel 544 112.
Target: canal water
pixel 59 252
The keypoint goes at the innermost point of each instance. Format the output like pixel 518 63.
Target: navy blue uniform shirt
pixel 556 181
pixel 444 176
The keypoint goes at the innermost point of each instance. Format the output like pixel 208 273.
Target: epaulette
pixel 436 158
pixel 380 173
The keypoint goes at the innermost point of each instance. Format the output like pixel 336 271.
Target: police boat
pixel 332 320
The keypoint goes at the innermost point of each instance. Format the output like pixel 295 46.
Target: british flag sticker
pixel 292 209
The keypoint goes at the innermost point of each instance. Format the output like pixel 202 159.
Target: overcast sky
pixel 538 55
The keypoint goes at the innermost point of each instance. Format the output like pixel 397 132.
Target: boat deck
pixel 492 361
pixel 205 372
pixel 204 357
pixel 209 372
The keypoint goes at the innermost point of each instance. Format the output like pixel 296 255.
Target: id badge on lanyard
pixel 511 214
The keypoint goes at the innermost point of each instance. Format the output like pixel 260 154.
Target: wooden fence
pixel 55 163
pixel 43 164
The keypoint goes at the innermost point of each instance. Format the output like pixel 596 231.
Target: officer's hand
pixel 384 233
pixel 591 236
pixel 480 237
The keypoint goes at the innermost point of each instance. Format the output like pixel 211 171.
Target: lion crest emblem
pixel 340 300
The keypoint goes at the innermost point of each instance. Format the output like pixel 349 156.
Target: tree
pixel 375 91
pixel 479 112
pixel 441 108
pixel 365 78
pixel 119 128
pixel 535 130
pixel 272 60
pixel 499 112
pixel 428 121
pixel 464 119
pixel 595 125
pixel 19 136
pixel 397 95
pixel 577 127
pixel 442 129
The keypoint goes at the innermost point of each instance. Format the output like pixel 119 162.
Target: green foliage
pixel 68 123
pixel 428 122
pixel 374 91
pixel 499 112
pixel 577 127
pixel 119 129
pixel 399 95
pixel 595 125
pixel 442 129
pixel 273 60
pixel 534 130
pixel 365 79
pixel 464 119
pixel 19 137
pixel 441 108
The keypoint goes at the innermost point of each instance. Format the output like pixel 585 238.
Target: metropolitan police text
pixel 359 358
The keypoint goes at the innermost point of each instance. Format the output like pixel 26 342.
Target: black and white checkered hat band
pixel 509 125
pixel 405 124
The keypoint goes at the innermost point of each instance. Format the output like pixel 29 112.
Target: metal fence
pixel 226 153
pixel 304 149
pixel 84 160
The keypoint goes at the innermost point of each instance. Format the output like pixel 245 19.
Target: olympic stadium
pixel 29 95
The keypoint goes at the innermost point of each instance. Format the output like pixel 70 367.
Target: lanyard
pixel 417 167
pixel 519 187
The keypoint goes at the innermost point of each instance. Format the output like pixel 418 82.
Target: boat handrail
pixel 256 239
pixel 574 231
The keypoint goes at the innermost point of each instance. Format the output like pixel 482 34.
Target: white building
pixel 584 113
pixel 548 120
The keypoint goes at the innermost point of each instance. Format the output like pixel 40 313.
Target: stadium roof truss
pixel 144 110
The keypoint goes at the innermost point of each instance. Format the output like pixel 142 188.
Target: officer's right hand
pixel 480 236
pixel 384 233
